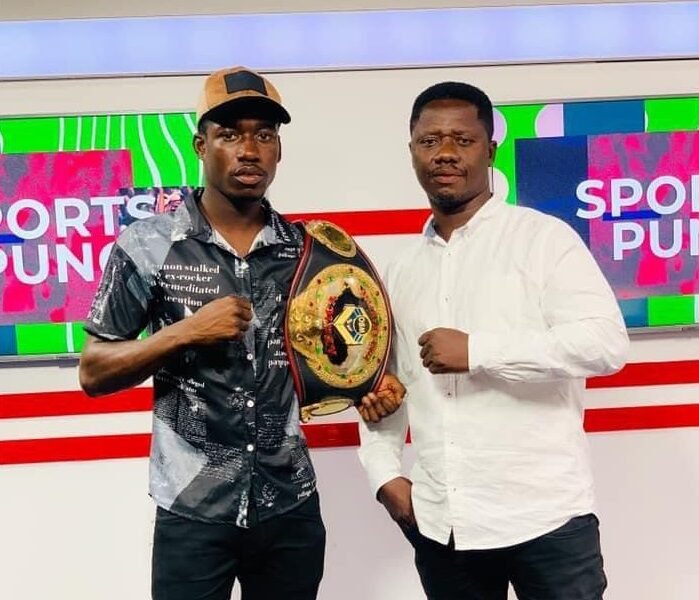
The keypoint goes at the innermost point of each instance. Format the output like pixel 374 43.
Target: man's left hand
pixel 444 350
pixel 384 401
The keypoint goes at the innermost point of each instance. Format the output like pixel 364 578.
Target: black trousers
pixel 279 558
pixel 565 564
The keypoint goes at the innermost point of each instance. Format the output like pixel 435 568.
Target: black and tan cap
pixel 240 91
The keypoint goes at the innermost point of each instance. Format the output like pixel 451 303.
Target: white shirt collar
pixel 489 209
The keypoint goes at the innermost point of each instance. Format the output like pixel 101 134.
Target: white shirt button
pixel 250 356
pixel 250 447
pixel 250 403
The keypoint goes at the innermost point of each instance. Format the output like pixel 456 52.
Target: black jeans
pixel 279 558
pixel 565 564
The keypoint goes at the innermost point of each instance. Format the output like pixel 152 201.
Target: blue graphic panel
pixel 635 312
pixel 8 341
pixel 591 118
pixel 548 171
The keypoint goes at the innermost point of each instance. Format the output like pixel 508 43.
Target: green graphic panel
pixel 69 129
pixel 20 136
pixel 79 336
pixel 521 123
pixel 160 144
pixel 670 310
pixel 42 338
pixel 672 114
pixel 167 158
pixel 181 128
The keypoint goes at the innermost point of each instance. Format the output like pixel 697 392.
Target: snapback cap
pixel 240 90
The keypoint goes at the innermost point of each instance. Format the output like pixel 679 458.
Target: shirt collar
pixel 191 223
pixel 265 237
pixel 484 213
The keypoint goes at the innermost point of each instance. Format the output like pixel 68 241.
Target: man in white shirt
pixel 501 313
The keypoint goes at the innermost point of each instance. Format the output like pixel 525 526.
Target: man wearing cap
pixel 229 469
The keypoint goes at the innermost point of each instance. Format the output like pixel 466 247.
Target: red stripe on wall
pixel 74 402
pixel 134 445
pixel 373 222
pixel 641 417
pixel 54 404
pixel 333 435
pixel 650 373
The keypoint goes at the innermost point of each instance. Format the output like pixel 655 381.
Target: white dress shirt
pixel 501 454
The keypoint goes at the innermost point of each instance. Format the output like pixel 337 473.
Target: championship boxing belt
pixel 338 323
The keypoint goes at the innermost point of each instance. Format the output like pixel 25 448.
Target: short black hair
pixel 202 126
pixel 455 90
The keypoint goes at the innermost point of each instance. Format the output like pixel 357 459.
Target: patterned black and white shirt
pixel 227 445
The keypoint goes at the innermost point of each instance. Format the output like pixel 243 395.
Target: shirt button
pixel 250 403
pixel 249 356
pixel 250 447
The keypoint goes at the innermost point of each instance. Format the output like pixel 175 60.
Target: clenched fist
pixel 444 350
pixel 385 401
pixel 221 320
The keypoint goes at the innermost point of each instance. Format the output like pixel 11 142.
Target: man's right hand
pixel 385 401
pixel 395 496
pixel 107 367
pixel 221 320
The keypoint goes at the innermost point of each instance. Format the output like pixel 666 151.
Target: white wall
pixel 73 531
pixel 76 9
pixel 82 531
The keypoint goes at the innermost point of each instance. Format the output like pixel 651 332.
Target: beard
pixel 450 203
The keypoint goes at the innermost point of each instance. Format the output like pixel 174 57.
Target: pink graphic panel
pixel 59 213
pixel 642 268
